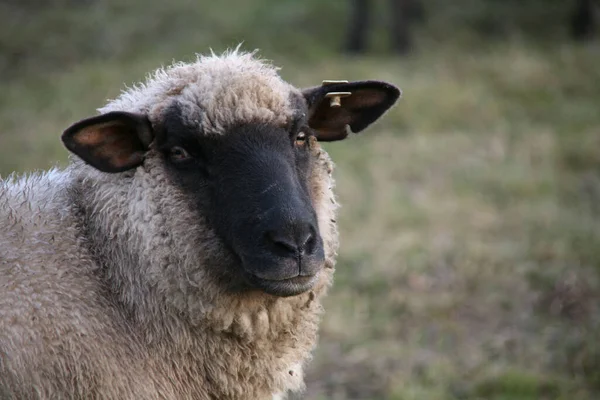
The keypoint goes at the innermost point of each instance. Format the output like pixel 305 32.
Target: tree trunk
pixel 358 27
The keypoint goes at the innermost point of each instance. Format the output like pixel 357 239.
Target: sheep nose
pixel 295 240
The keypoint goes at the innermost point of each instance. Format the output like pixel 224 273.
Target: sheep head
pixel 241 146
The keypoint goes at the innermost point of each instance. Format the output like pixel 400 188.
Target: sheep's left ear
pixel 113 142
pixel 337 104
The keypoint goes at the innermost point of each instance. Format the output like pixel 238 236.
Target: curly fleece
pixel 106 292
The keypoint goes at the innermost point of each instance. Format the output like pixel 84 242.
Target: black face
pixel 252 186
pixel 251 183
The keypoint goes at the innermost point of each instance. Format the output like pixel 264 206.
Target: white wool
pixel 113 290
pixel 216 91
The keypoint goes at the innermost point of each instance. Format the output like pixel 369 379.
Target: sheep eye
pixel 178 154
pixel 300 138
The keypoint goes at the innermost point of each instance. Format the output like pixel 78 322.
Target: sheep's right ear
pixel 113 142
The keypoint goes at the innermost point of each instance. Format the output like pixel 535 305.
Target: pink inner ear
pixel 122 157
pixel 364 98
pixel 329 118
pixel 114 142
pixel 96 135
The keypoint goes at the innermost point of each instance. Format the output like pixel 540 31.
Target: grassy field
pixel 470 259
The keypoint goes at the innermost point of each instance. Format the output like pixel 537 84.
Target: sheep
pixel 186 248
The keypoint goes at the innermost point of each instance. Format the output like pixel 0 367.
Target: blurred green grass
pixel 470 259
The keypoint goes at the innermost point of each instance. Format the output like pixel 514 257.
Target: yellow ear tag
pixel 332 82
pixel 335 98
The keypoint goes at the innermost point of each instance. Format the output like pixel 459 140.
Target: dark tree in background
pixel 402 14
pixel 583 20
pixel 358 25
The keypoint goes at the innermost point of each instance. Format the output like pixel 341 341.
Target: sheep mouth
pixel 284 287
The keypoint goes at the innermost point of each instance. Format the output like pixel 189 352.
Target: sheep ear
pixel 338 104
pixel 112 142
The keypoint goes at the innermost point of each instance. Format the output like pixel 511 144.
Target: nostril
pixel 307 243
pixel 297 240
pixel 281 243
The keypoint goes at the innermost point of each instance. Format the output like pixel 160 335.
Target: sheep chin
pixel 282 288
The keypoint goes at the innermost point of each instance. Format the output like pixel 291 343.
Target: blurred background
pixel 470 259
